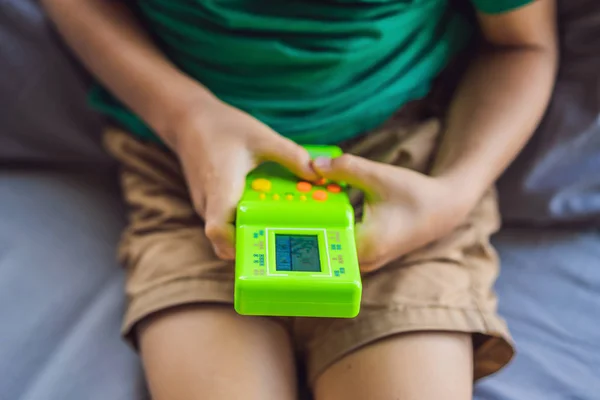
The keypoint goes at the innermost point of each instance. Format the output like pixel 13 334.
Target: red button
pixel 304 187
pixel 334 188
pixel 320 195
pixel 321 182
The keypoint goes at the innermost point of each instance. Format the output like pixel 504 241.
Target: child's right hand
pixel 218 145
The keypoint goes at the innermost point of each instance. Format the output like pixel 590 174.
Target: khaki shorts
pixel 446 286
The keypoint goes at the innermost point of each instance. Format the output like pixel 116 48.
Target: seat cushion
pixel 61 295
pixel 549 291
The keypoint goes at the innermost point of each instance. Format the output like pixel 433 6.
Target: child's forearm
pixel 500 102
pixel 496 110
pixel 114 47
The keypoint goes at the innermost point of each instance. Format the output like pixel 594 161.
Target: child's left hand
pixel 404 210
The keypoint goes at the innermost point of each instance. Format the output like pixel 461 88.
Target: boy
pixel 202 90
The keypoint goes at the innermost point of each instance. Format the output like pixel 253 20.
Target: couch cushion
pixel 61 290
pixel 549 291
pixel 43 111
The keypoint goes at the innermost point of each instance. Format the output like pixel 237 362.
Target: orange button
pixel 321 182
pixel 261 185
pixel 304 187
pixel 334 188
pixel 320 195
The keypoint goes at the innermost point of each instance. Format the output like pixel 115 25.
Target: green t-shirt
pixel 317 71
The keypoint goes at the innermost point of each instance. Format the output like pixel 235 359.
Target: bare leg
pixel 212 353
pixel 416 366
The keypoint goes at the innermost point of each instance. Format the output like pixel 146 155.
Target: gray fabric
pixel 61 294
pixel 557 176
pixel 549 292
pixel 43 111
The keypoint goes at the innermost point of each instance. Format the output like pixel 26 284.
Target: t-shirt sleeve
pixel 499 6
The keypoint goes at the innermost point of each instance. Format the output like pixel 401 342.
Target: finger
pixel 199 202
pixel 289 154
pixel 369 258
pixel 359 172
pixel 378 237
pixel 222 196
pixel 222 238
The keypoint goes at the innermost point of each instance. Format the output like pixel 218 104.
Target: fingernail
pixel 322 163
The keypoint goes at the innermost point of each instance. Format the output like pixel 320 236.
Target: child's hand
pixel 403 211
pixel 218 145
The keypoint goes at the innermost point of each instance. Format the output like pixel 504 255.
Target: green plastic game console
pixel 295 247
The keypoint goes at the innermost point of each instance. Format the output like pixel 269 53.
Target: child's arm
pixel 497 108
pixel 216 143
pixel 502 98
pixel 113 46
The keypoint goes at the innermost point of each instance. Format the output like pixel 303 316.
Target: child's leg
pixel 180 295
pixel 427 329
pixel 209 352
pixel 428 324
pixel 414 366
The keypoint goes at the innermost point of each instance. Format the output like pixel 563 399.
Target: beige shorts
pixel 446 286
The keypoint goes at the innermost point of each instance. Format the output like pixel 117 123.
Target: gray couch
pixel 60 216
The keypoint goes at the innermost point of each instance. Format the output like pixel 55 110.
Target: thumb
pixel 290 155
pixel 359 172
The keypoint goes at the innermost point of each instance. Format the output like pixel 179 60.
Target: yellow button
pixel 261 185
pixel 320 195
pixel 304 187
pixel 262 196
pixel 276 196
pixel 303 197
pixel 289 196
